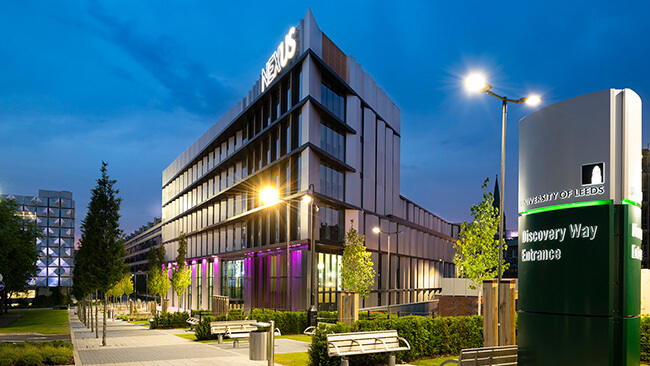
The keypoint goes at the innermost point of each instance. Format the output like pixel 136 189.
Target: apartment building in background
pixel 54 214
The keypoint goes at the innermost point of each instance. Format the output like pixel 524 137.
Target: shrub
pixel 428 337
pixel 63 356
pixel 645 339
pixel 202 330
pixel 236 314
pixel 200 312
pixel 8 356
pixel 170 320
pixel 328 316
pixel 59 343
pixel 318 348
pixel 289 322
pixel 48 351
pixel 32 358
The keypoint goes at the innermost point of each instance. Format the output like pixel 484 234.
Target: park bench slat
pixel 344 344
pixel 487 356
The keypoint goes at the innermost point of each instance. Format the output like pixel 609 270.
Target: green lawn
pixel 140 322
pixel 40 321
pixel 433 361
pixel 291 359
pixel 297 337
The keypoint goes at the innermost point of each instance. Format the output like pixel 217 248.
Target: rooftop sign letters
pixel 279 59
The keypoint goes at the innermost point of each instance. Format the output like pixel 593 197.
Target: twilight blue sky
pixel 135 83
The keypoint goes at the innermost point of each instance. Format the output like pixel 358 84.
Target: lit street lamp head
pixel 532 100
pixel 376 230
pixel 477 83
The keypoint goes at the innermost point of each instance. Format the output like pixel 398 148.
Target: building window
pixel 210 283
pixel 232 277
pixel 189 294
pixel 296 131
pixel 333 101
pixel 331 224
pixel 331 182
pixel 332 140
pixel 199 283
pixel 328 279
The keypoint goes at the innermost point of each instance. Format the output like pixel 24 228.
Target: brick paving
pixel 128 344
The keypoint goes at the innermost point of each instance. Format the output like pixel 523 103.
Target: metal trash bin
pixel 258 344
pixel 262 342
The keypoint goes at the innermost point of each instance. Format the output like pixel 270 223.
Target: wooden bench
pixel 360 343
pixel 487 356
pixel 234 329
pixel 193 321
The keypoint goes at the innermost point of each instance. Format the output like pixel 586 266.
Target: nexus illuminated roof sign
pixel 279 59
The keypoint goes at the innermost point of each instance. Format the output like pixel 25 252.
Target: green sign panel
pixel 559 251
pixel 580 232
pixel 579 271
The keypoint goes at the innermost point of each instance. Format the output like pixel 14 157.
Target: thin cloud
pixel 189 83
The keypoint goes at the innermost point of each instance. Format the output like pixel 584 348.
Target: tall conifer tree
pixel 102 236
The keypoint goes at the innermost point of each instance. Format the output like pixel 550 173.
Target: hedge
pixel 428 337
pixel 170 320
pixel 645 339
pixel 288 322
pixel 33 353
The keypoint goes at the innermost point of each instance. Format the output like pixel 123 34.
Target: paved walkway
pixel 128 344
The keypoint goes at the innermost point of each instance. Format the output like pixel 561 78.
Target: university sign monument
pixel 580 231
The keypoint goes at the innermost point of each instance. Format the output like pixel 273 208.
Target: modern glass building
pixel 314 122
pixel 53 212
pixel 137 246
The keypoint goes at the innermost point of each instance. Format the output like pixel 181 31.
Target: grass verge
pixel 140 322
pixel 40 321
pixel 433 361
pixel 292 359
pixel 297 337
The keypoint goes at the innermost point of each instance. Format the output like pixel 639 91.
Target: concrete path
pixel 32 337
pixel 129 344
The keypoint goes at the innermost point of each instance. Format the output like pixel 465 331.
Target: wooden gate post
pixel 490 313
pixel 507 312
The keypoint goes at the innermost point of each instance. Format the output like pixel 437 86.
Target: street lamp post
pixel 377 230
pixel 477 83
pixel 313 308
pixel 270 196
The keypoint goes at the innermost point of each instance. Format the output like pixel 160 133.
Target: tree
pixel 102 237
pixel 123 287
pixel 181 274
pixel 477 251
pixel 84 280
pixel 18 251
pixel 157 280
pixel 357 273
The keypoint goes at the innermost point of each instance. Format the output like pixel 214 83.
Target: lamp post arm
pixel 506 99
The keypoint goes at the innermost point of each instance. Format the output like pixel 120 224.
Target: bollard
pixel 391 359
pixel 271 343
